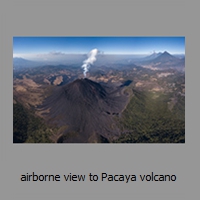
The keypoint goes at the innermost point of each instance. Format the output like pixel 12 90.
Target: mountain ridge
pixel 165 60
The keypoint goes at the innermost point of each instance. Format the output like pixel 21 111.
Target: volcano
pixel 163 61
pixel 84 111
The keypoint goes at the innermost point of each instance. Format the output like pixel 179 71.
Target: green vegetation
pixel 179 108
pixel 27 128
pixel 148 120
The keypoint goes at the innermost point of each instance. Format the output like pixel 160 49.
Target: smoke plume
pixel 89 61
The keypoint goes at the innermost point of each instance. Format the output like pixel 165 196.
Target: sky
pixel 40 47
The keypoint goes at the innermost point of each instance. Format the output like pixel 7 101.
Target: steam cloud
pixel 88 62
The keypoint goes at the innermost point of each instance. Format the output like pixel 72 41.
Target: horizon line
pixel 139 54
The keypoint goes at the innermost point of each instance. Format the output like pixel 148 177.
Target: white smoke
pixel 89 61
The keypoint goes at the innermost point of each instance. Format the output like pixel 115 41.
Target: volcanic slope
pixel 84 110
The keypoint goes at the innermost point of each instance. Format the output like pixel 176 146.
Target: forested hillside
pixel 27 127
pixel 148 119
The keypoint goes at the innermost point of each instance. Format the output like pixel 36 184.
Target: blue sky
pixel 40 46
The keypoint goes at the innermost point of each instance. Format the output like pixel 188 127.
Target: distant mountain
pixel 22 63
pixel 165 60
pixel 165 57
pixel 152 56
pixel 19 63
